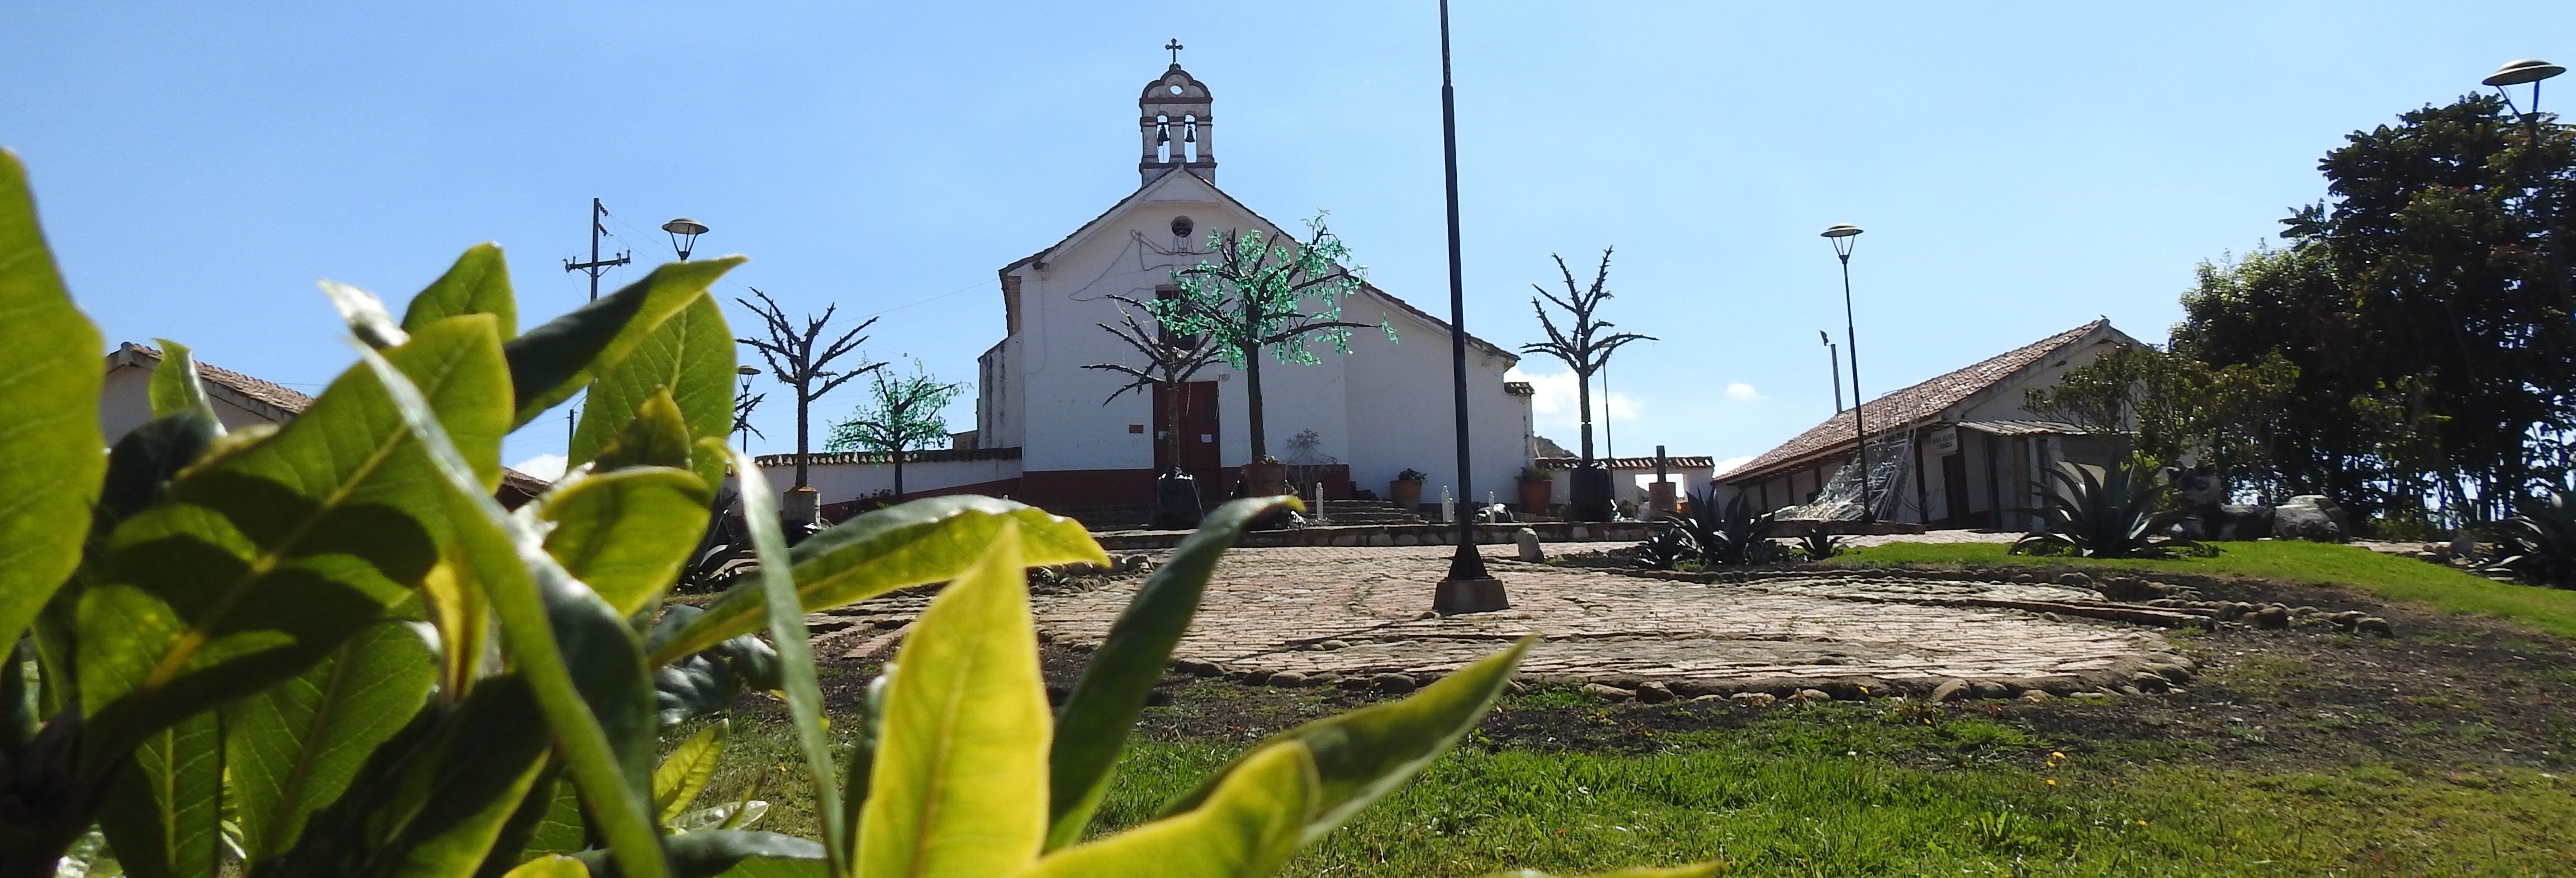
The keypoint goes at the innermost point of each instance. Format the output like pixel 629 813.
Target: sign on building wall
pixel 1945 440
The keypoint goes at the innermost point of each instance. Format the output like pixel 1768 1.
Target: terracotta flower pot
pixel 1266 478
pixel 1406 494
pixel 1536 496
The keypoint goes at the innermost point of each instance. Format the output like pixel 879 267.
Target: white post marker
pixel 1448 507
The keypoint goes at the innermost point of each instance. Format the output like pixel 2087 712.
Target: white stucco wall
pixel 125 402
pixel 843 482
pixel 1395 394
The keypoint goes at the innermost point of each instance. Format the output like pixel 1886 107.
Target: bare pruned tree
pixel 795 361
pixel 1171 359
pixel 1585 349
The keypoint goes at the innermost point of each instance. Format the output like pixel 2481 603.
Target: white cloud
pixel 544 466
pixel 1728 465
pixel 1742 392
pixel 1554 407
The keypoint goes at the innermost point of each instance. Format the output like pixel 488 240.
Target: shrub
pixel 1817 545
pixel 2097 514
pixel 2538 544
pixel 254 694
pixel 1666 549
pixel 1732 533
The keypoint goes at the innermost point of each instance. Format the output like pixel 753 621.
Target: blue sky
pixel 2021 169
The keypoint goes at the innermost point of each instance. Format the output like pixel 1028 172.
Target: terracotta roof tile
pixel 1675 461
pixel 291 400
pixel 1911 406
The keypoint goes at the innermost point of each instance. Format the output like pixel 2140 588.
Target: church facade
pixel 1349 423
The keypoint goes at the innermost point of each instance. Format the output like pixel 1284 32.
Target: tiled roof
pixel 1674 461
pixel 1911 406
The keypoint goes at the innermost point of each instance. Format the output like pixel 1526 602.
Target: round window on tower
pixel 1176 89
pixel 1181 226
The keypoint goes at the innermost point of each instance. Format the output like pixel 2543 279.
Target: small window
pixel 1176 89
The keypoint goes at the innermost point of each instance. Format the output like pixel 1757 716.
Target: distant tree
pixel 1170 359
pixel 2175 408
pixel 796 362
pixel 901 414
pixel 1264 291
pixel 1585 346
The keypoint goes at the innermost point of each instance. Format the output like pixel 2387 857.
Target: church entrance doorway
pixel 1198 445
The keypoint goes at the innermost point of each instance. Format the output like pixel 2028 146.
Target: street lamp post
pixel 742 389
pixel 1841 235
pixel 1468 588
pixel 684 235
pixel 2530 71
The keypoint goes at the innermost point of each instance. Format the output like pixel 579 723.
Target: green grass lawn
pixel 2388 576
pixel 1851 790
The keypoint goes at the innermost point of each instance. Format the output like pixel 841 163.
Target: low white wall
pixel 844 482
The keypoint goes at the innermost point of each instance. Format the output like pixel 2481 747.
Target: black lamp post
pixel 684 235
pixel 2531 71
pixel 1841 235
pixel 1468 588
pixel 742 389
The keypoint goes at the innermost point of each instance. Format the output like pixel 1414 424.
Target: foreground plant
pixel 1731 533
pixel 2538 544
pixel 324 649
pixel 2098 513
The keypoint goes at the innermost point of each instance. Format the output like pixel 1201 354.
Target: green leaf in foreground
pixel 626 533
pixel 479 283
pixel 174 387
pixel 690 358
pixel 1367 753
pixel 795 656
pixel 959 786
pixel 549 363
pixel 432 799
pixel 1101 710
pixel 1247 828
pixel 682 774
pixel 264 560
pixel 578 656
pixel 49 402
pixel 295 747
pixel 917 543
pixel 164 815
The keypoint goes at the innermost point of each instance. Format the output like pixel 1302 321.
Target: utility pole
pixel 595 267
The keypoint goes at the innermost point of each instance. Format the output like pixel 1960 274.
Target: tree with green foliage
pixel 900 415
pixel 1266 292
pixel 2177 410
pixel 257 692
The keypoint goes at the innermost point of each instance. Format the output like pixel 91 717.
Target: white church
pixel 1348 424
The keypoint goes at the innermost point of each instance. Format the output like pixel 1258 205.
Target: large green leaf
pixel 690 358
pixel 1367 753
pixel 164 815
pixel 174 387
pixel 682 774
pixel 294 747
pixel 265 559
pixel 917 543
pixel 479 283
pixel 431 801
pixel 626 533
pixel 578 655
pixel 795 656
pixel 959 786
pixel 732 853
pixel 550 866
pixel 1247 828
pixel 50 376
pixel 1092 727
pixel 365 316
pixel 549 363
pixel 658 436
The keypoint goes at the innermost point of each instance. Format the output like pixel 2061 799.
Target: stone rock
pixel 1753 699
pixel 2311 517
pixel 1710 697
pixel 2025 578
pixel 2374 625
pixel 1392 684
pixel 1811 695
pixel 2036 696
pixel 2148 681
pixel 2130 690
pixel 2075 580
pixel 1323 678
pixel 1333 644
pixel 2464 546
pixel 1654 693
pixel 2241 521
pixel 1952 690
pixel 1381 539
pixel 1990 689
pixel 1286 680
pixel 1530 550
pixel 1612 694
pixel 2273 618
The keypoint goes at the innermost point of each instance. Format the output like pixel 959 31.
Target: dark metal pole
pixel 1860 429
pixel 1466 563
pixel 1834 363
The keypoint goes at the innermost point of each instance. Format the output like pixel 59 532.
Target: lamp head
pixel 2519 72
pixel 1841 235
pixel 684 235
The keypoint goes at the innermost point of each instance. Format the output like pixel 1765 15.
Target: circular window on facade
pixel 1176 89
pixel 1181 226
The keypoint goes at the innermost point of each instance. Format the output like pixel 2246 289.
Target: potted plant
pixel 1538 489
pixel 1406 491
pixel 1266 477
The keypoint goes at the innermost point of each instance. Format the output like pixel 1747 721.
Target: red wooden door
pixel 1198 437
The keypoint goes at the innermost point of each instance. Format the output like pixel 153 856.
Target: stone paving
pixel 1331 613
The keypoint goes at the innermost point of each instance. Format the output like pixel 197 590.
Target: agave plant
pixel 2098 513
pixel 1817 545
pixel 2538 544
pixel 1666 549
pixel 323 649
pixel 1732 533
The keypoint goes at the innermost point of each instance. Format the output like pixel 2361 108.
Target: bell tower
pixel 1173 118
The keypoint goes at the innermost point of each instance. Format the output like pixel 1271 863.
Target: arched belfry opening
pixel 1173 118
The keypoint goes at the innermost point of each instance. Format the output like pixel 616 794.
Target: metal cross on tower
pixel 1175 46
